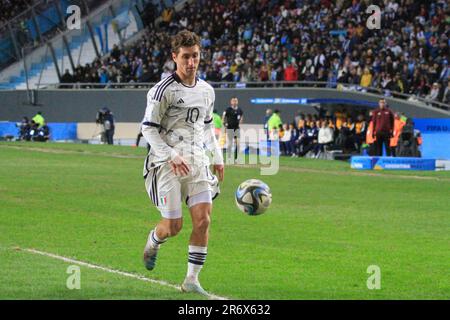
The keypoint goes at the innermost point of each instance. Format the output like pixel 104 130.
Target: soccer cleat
pixel 150 255
pixel 194 287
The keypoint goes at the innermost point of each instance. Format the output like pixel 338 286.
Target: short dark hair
pixel 184 38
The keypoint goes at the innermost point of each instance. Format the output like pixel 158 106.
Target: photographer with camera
pixel 106 119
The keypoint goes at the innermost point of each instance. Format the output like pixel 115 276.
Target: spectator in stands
pixel 290 73
pixel 66 78
pixel 446 95
pixel 331 80
pixel 166 16
pixel 434 93
pixel 383 127
pixel 148 15
pixel 11 9
pixel 366 79
pixel 273 41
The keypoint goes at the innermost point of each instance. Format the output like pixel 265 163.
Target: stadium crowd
pixel 11 9
pixel 301 40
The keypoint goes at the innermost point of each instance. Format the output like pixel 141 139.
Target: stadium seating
pixel 40 66
pixel 328 43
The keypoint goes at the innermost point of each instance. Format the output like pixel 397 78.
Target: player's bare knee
pixel 169 227
pixel 175 227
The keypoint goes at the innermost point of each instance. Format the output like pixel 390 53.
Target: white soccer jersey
pixel 183 117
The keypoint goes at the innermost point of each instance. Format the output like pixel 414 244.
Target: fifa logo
pixel 74 20
pixel 374 21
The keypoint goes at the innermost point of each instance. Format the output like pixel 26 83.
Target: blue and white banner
pixel 302 101
pixel 436 137
pixel 392 163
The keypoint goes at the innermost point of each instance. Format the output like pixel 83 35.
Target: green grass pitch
pixel 327 224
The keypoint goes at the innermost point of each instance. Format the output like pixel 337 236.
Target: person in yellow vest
pixel 39 119
pixel 339 116
pixel 366 78
pixel 370 137
pixel 399 123
pixel 274 124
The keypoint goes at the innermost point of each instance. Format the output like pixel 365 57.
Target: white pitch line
pixel 122 273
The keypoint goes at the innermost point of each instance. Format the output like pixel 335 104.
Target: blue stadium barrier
pixel 8 129
pixel 63 131
pixel 302 101
pixel 58 130
pixel 436 137
pixel 392 163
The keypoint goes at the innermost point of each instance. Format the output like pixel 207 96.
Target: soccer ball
pixel 253 197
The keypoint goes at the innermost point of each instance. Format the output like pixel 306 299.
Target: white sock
pixel 197 257
pixel 153 240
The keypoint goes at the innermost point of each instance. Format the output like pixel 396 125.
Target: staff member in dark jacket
pixel 383 127
pixel 232 118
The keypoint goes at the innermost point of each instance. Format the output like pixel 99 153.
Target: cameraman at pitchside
pixel 106 118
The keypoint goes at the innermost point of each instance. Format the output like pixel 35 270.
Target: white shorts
pixel 167 191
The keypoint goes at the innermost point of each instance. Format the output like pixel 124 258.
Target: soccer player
pixel 178 125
